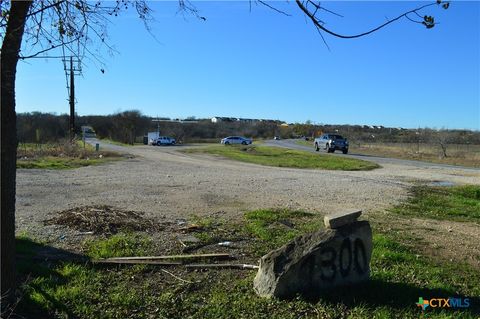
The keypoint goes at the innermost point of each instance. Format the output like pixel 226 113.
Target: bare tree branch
pixel 412 20
pixel 43 8
pixel 318 7
pixel 319 25
pixel 78 27
pixel 273 8
pixel 323 38
pixel 47 49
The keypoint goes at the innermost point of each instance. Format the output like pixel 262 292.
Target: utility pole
pixel 70 72
pixel 72 101
pixel 158 125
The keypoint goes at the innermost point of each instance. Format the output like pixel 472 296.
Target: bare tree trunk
pixel 443 147
pixel 9 58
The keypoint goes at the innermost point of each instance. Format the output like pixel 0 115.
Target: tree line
pixel 130 127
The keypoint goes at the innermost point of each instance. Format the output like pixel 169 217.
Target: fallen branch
pixel 236 266
pixel 182 243
pixel 190 228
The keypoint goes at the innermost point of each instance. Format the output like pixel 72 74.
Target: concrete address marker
pixel 313 263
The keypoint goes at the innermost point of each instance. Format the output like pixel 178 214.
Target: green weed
pixel 119 245
pixel 281 157
pixel 458 203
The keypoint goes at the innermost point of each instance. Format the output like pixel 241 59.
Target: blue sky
pixel 262 64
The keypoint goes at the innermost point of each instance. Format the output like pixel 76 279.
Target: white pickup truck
pixel 331 142
pixel 164 140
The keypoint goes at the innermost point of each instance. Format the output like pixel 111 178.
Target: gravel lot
pixel 168 184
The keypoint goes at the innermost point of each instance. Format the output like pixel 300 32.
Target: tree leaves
pixel 445 5
pixel 428 22
pixel 61 29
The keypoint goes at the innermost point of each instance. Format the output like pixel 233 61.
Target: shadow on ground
pixel 377 293
pixel 35 261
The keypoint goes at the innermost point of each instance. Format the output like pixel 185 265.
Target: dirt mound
pixel 103 220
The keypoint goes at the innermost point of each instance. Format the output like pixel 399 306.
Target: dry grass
pixel 457 154
pixel 61 155
pixel 60 149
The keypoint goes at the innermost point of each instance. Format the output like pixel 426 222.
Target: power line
pixel 70 71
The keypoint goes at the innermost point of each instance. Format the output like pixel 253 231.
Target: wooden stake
pixel 137 261
pixel 195 256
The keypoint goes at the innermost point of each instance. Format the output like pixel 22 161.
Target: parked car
pixel 236 140
pixel 164 140
pixel 276 138
pixel 331 142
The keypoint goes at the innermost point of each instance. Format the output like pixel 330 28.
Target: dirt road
pixel 168 184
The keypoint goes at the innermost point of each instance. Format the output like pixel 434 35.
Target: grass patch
pixel 281 157
pixel 119 245
pixel 72 290
pixel 458 203
pixel 305 143
pixel 393 261
pixel 79 290
pixel 211 229
pixel 399 276
pixel 275 228
pixel 64 155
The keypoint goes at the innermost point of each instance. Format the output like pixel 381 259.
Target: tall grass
pixel 62 155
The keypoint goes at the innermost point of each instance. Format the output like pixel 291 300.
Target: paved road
pixel 107 146
pixel 292 144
